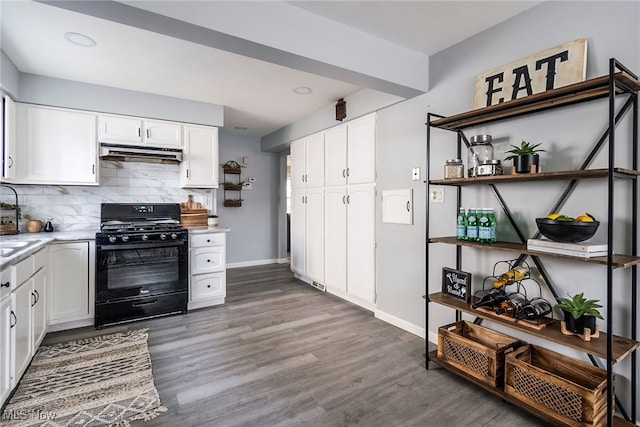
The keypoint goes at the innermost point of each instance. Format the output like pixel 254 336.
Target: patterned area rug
pixel 100 381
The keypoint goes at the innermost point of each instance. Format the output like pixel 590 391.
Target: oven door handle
pixel 141 245
pixel 140 304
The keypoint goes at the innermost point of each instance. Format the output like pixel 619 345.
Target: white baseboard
pixel 252 263
pixel 284 260
pixel 400 323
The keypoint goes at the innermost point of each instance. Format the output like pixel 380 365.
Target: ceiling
pixel 245 68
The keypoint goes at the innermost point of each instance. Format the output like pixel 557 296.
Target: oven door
pixel 141 270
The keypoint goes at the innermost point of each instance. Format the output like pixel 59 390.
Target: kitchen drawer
pixel 22 271
pixel 5 281
pixel 203 240
pixel 206 260
pixel 40 259
pixel 207 286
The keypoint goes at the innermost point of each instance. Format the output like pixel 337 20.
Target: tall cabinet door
pixel 314 160
pixel 298 164
pixel 335 241
pixel 298 228
pixel 23 329
pixel 335 156
pixel 38 307
pixel 7 342
pixel 361 242
pixel 361 150
pixel 314 201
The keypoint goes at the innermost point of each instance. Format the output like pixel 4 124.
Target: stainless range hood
pixel 136 153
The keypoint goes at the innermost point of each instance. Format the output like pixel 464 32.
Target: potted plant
pixel 579 313
pixel 525 156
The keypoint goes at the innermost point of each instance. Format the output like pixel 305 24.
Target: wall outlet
pixel 246 186
pixel 436 195
pixel 252 179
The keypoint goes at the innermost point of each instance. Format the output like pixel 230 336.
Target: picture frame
pixel 456 284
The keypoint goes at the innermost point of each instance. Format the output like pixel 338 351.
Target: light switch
pixel 415 174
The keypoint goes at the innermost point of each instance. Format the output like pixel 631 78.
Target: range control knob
pixel 112 239
pixel 163 236
pixel 145 237
pixel 125 238
pixel 174 236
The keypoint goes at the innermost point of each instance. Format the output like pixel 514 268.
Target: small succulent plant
pixel 579 306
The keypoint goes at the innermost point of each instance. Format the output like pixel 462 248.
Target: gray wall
pixel 254 225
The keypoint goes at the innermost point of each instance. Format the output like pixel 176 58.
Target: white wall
pixel 567 134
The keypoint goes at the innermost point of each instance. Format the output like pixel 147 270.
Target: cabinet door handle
pixel 15 320
pixel 34 299
pixel 347 171
pixel 348 199
pixel 10 162
pixel 139 132
pixel 408 206
pixel 37 295
pixel 93 169
pixel 148 134
pixel 344 173
pixel 5 285
pixel 344 200
pixel 187 173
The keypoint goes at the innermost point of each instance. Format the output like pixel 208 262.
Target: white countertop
pixel 44 238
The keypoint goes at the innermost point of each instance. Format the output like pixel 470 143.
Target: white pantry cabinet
pixel 58 146
pixel 307 162
pixel 199 169
pixel 8 135
pixel 71 275
pixel 350 243
pixel 137 131
pixel 350 156
pixel 208 275
pixel 307 224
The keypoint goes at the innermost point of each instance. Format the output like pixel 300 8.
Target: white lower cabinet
pixel 23 317
pixel 349 261
pixel 7 344
pixel 307 233
pixel 208 276
pixel 72 272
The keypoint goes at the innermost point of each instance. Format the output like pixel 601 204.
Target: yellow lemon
pixel 553 215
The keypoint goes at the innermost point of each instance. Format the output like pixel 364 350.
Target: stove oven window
pixel 141 267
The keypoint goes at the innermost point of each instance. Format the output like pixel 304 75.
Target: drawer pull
pixel 208 286
pixel 208 260
pixel 140 304
pixel 5 285
pixel 208 240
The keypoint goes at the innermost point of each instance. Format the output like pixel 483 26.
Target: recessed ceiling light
pixel 240 128
pixel 80 39
pixel 302 90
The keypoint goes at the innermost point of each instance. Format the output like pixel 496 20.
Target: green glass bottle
pixel 461 227
pixel 472 225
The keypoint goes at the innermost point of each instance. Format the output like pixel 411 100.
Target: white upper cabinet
pixel 307 162
pixel 350 152
pixel 199 169
pixel 135 131
pixel 58 146
pixel 8 135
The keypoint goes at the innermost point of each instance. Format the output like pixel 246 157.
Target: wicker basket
pixel 570 391
pixel 475 350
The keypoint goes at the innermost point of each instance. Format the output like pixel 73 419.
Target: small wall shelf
pixel 232 187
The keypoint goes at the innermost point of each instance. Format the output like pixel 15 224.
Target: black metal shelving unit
pixel 619 84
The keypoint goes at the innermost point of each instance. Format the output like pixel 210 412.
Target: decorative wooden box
pixel 568 390
pixel 475 350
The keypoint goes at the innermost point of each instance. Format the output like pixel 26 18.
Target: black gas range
pixel 141 263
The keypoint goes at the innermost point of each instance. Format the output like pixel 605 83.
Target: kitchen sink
pixel 8 248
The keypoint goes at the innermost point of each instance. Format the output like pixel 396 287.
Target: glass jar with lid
pixel 453 168
pixel 480 153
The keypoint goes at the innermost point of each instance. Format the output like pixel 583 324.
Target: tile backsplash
pixel 78 207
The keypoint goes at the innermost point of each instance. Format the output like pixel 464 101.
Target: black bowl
pixel 566 231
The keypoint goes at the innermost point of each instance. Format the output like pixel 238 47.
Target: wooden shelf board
pixel 534 177
pixel 566 95
pixel 619 261
pixel 622 347
pixel 433 357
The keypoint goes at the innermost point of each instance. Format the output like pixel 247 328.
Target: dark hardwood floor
pixel 281 353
